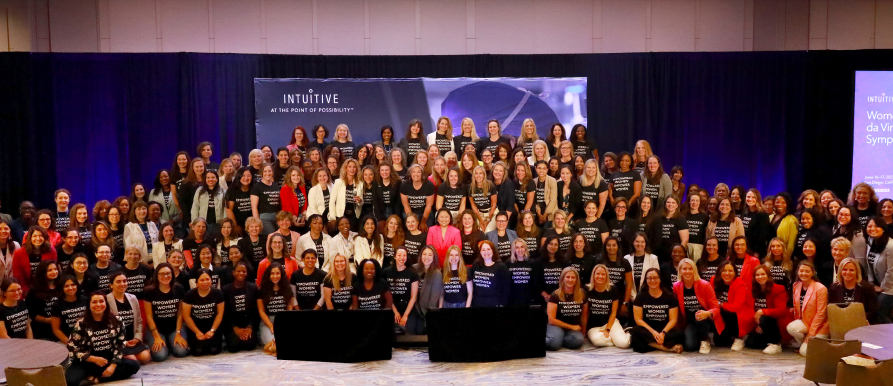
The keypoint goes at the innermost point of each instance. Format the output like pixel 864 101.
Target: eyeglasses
pixel 652 278
pixel 165 274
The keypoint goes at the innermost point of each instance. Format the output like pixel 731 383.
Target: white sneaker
pixel 738 345
pixel 772 349
pixel 705 347
pixel 803 349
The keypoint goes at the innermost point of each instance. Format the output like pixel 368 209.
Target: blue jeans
pixel 265 334
pixel 169 347
pixel 556 337
pixel 696 331
pixel 885 306
pixel 453 305
pixel 269 220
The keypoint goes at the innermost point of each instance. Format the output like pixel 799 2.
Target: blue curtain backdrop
pixel 97 123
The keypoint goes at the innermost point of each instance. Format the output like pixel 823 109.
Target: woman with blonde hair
pixel 482 197
pixel 528 137
pixel 344 141
pixel 641 152
pixel 442 136
pixel 526 276
pixel 565 310
pixel 467 137
pixel 338 285
pixel 781 268
pixel 539 152
pixel 398 161
pixel 603 301
pixel 698 304
pixel 594 187
pixel 347 194
pixel 850 287
pixel 457 288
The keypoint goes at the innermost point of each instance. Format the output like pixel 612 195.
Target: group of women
pixel 616 250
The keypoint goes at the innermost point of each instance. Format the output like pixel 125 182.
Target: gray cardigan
pixel 664 190
pixel 883 268
pixel 430 293
pixel 135 307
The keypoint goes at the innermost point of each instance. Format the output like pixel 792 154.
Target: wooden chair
pixel 845 317
pixel 882 375
pixel 823 356
pixel 44 376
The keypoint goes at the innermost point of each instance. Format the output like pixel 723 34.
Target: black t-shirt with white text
pixel 656 311
pixel 204 309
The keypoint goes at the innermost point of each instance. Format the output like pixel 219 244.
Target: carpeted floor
pixel 603 366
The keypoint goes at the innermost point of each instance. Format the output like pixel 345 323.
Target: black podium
pixel 486 334
pixel 334 336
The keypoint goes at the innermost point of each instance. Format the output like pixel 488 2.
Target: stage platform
pixel 602 366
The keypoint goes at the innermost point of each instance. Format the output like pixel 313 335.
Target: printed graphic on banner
pixel 873 131
pixel 366 105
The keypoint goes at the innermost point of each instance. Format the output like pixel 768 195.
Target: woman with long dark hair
pixel 43 295
pixel 756 222
pixel 238 197
pixel 126 307
pixel 490 277
pixel 161 309
pixel 35 249
pixel 68 309
pixel 879 261
pixel 274 296
pixel 162 193
pixel 784 222
pixel 96 346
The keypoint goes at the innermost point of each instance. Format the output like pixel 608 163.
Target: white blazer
pixel 316 202
pixel 133 235
pixel 6 261
pixel 432 140
pixel 650 262
pixel 167 212
pixel 305 242
pixel 362 250
pixel 134 306
pixel 339 245
pixel 337 200
pixel 158 254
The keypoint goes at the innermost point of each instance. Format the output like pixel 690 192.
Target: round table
pixel 31 353
pixel 877 335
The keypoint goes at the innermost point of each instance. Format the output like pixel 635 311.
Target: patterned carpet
pixel 603 366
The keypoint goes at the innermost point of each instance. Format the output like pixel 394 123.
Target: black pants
pixel 235 344
pixel 771 334
pixel 642 338
pixel 80 370
pixel 730 333
pixel 211 346
pixel 696 331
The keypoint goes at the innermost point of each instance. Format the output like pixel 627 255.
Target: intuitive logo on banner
pixel 366 105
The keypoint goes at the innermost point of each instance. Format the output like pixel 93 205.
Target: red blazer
pixel 815 313
pixel 21 266
pixel 741 302
pixel 750 264
pixel 442 244
pixel 290 201
pixel 55 237
pixel 707 299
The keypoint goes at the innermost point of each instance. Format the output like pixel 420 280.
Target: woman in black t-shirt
pixel 68 309
pixel 125 306
pixel 43 294
pixel 338 285
pixel 482 199
pixel 471 235
pixel 565 310
pixel 414 141
pixel 265 201
pixel 161 308
pixel 238 198
pixel 343 141
pixel 307 282
pixel 553 262
pixel 371 292
pixel 14 320
pixel 582 145
pixel 240 309
pixel 202 312
pixel 451 195
pixel 403 284
pixel 417 195
pixel 625 182
pixel 603 302
pixel 656 311
pixel 274 296
pixel 668 228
